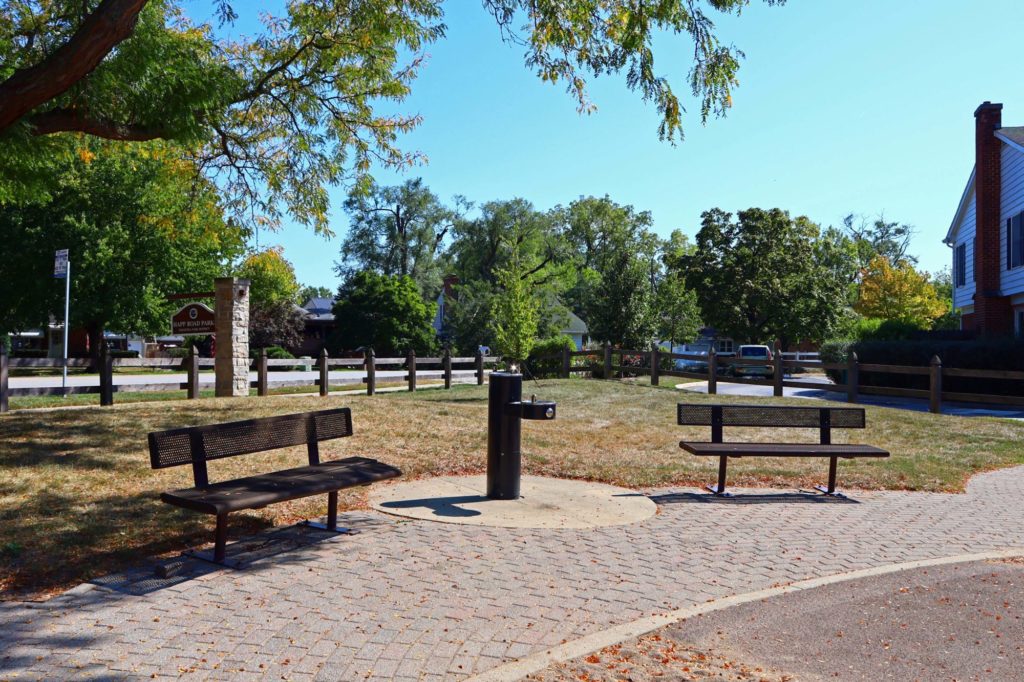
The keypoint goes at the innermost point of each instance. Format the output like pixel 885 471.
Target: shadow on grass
pixel 751 498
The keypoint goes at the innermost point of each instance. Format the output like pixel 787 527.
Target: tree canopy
pixel 899 292
pixel 137 228
pixel 384 312
pixel 313 99
pixel 400 231
pixel 759 277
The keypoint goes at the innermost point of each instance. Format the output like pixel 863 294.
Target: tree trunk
pixel 94 330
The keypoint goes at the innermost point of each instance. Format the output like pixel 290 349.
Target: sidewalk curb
pixel 516 670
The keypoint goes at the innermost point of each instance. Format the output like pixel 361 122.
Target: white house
pixel 987 232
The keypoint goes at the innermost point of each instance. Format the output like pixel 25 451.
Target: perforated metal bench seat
pixel 781 450
pixel 253 492
pixel 198 445
pixel 774 417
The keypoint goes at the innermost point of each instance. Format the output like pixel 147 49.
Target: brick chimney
pixel 992 313
pixel 448 283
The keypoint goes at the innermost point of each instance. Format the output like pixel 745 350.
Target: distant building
pixel 319 323
pixel 577 329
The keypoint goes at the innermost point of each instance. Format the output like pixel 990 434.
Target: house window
pixel 960 266
pixel 1015 241
pixel 1020 323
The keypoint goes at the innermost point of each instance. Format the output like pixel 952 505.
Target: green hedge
pixel 552 346
pixel 1004 354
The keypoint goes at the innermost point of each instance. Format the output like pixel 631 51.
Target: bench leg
pixel 831 489
pixel 332 511
pixel 332 518
pixel 723 463
pixel 220 538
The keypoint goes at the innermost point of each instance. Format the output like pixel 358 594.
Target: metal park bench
pixel 199 444
pixel 761 416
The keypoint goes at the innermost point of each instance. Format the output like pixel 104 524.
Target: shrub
pixel 178 352
pixel 835 351
pixel 1002 354
pixel 277 353
pixel 553 346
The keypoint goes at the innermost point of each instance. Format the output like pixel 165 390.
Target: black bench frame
pixel 199 444
pixel 776 416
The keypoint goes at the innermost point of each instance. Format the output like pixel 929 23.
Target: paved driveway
pixel 826 393
pixel 422 600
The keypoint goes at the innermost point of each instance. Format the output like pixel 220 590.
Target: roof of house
pixel 319 304
pixel 1011 135
pixel 575 325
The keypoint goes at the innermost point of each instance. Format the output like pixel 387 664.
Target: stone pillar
pixel 231 312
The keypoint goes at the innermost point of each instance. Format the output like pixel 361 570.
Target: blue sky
pixel 863 107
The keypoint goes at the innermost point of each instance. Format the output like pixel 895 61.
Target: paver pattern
pixel 429 601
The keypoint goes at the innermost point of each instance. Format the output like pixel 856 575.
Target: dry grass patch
pixel 78 499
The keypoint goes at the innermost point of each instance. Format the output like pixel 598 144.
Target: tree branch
pixel 71 120
pixel 110 23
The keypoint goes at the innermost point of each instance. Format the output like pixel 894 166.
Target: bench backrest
pixel 196 445
pixel 773 416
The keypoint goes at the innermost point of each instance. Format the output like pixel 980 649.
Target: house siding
pixel 964 296
pixel 1011 203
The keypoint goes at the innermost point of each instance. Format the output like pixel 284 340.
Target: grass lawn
pixel 78 499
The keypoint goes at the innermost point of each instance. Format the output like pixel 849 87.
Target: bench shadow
pixel 750 498
pixel 440 506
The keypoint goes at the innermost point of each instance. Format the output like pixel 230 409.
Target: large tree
pixel 760 277
pixel 899 292
pixel 384 312
pixel 398 230
pixel 616 266
pixel 137 229
pixel 274 316
pixel 308 101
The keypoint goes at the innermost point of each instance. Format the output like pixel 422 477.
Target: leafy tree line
pixel 755 276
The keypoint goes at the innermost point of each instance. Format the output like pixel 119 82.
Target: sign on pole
pixel 194 318
pixel 60 264
pixel 62 270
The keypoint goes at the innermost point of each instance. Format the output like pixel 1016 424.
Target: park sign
pixel 60 264
pixel 195 318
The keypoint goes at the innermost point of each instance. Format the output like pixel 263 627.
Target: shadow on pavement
pixel 750 498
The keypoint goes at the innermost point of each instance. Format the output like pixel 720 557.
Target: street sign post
pixel 62 270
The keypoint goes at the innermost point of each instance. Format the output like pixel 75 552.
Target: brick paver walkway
pixel 422 600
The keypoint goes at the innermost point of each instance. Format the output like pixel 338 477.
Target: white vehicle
pixel 754 352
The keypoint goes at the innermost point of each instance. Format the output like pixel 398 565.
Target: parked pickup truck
pixel 754 352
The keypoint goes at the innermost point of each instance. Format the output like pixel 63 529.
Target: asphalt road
pixel 953 622
pixel 738 387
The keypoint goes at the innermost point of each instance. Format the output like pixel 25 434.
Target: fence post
pixel 852 377
pixel 262 389
pixel 370 363
pixel 479 368
pixel 410 360
pixel 566 362
pixel 192 373
pixel 3 377
pixel 106 376
pixel 325 383
pixel 935 386
pixel 607 361
pixel 446 363
pixel 655 364
pixel 712 371
pixel 778 370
